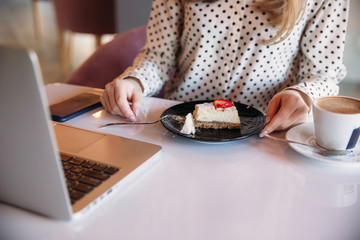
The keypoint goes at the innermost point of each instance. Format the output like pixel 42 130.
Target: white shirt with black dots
pixel 217 50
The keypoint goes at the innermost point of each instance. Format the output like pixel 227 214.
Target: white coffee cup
pixel 337 122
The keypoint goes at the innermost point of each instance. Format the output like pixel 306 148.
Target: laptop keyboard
pixel 83 176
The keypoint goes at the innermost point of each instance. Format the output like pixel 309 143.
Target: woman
pixel 275 55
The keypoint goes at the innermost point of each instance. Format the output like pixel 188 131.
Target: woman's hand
pixel 119 93
pixel 287 108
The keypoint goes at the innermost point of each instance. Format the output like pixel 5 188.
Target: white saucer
pixel 305 133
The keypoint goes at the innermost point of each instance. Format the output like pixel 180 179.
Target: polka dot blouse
pixel 216 50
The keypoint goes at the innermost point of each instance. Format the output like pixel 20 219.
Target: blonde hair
pixel 283 13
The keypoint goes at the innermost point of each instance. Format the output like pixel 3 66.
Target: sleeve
pixel 154 64
pixel 322 45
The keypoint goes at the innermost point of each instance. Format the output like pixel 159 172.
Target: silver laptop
pixel 51 168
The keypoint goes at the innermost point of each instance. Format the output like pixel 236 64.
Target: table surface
pixel 249 189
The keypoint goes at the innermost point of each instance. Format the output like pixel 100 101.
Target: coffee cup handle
pixel 354 138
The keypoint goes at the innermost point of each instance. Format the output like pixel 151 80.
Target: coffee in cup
pixel 337 122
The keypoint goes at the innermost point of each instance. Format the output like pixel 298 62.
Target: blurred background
pixel 34 24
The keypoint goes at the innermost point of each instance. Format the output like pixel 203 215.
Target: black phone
pixel 74 106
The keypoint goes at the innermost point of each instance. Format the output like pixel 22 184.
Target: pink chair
pixel 110 60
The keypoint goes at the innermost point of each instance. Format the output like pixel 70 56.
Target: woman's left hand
pixel 287 108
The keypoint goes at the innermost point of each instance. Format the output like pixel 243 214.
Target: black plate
pixel 252 122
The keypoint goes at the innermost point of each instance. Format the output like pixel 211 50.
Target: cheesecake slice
pixel 220 114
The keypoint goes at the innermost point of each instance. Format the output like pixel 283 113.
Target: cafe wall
pixel 132 13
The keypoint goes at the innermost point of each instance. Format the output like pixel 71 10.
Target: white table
pixel 256 189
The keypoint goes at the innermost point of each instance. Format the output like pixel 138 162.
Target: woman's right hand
pixel 119 93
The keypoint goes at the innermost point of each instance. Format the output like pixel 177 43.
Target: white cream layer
pixel 207 112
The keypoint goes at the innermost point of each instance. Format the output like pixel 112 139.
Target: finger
pixel 137 101
pixel 294 111
pixel 102 100
pixel 286 117
pixel 281 120
pixel 113 99
pixel 298 116
pixel 105 101
pixel 277 119
pixel 287 108
pixel 123 105
pixel 276 123
pixel 273 108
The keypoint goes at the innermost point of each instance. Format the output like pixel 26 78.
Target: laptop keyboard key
pixel 99 167
pixel 95 174
pixel 67 166
pixel 76 161
pixel 111 170
pixel 77 169
pixel 69 183
pixel 76 195
pixel 73 176
pixel 82 187
pixel 89 181
pixel 88 164
pixel 64 158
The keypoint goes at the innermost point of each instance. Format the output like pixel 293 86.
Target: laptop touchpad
pixel 74 140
